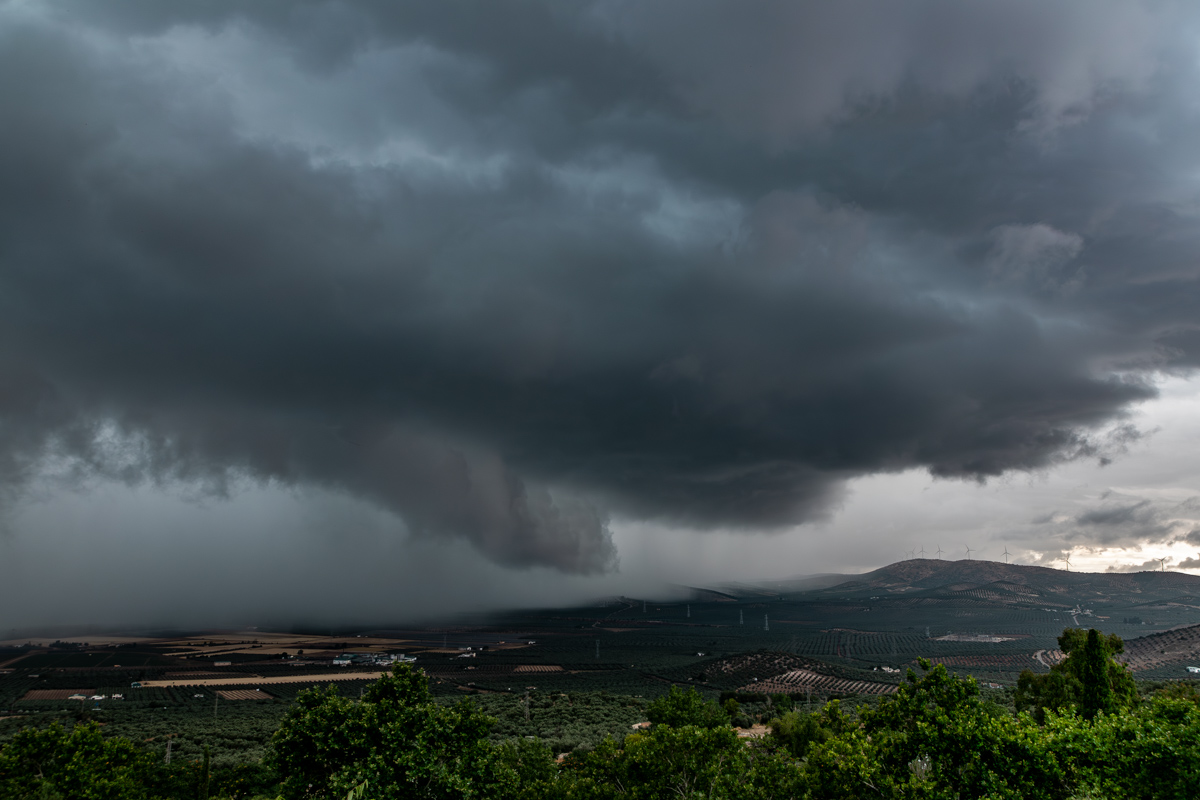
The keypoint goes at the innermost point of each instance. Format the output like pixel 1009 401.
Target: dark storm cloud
pixel 1119 519
pixel 511 271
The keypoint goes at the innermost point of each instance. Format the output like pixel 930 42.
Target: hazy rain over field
pixel 537 301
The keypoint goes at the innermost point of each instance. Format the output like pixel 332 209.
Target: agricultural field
pixel 571 676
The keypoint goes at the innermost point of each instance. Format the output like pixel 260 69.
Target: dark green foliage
pixel 531 765
pixel 1152 753
pixel 239 735
pixel 685 762
pixel 781 703
pixel 1088 679
pixel 397 738
pixel 1097 694
pixel 564 722
pixel 80 763
pixel 938 737
pixel 678 708
pixel 797 731
pixel 1179 690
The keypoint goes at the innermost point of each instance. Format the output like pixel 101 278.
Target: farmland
pixel 533 669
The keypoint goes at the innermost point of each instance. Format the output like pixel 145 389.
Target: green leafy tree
pixel 935 738
pixel 797 731
pixel 1088 679
pixel 1097 694
pixel 678 708
pixel 79 764
pixel 531 766
pixel 679 762
pixel 398 739
pixel 1147 753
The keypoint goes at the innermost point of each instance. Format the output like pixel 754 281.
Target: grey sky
pixel 584 291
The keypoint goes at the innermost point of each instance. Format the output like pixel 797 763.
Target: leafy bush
pixel 80 763
pixel 1152 752
pixel 678 708
pixel 397 738
pixel 935 738
pixel 796 731
pixel 686 761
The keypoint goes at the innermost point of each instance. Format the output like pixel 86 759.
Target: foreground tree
pixel 396 738
pixel 1149 753
pixel 80 763
pixel 935 738
pixel 687 761
pixel 1089 679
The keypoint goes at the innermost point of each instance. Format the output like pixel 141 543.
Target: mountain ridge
pixel 928 573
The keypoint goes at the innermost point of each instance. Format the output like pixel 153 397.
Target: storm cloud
pixel 510 271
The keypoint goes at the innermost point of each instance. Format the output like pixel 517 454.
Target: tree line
pixel 1081 731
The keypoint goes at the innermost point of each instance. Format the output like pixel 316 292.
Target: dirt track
pixel 257 681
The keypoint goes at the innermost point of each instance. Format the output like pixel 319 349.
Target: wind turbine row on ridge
pixel 921 553
pixel 908 554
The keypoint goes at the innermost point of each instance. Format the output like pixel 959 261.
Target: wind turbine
pixel 939 551
pixel 1067 560
pixel 1006 555
pixel 1163 562
pixel 922 552
pixel 968 552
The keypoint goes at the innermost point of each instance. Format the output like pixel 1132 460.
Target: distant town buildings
pixel 372 659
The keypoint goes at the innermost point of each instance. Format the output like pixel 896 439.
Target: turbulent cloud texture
pixel 510 269
pixel 1120 520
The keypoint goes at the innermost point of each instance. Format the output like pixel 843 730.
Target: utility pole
pixel 527 705
pixel 167 760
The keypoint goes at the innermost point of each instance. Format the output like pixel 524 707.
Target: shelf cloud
pixel 514 272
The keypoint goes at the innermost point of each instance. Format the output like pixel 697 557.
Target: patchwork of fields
pixel 855 639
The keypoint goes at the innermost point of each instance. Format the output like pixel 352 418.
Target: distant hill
pixel 927 574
